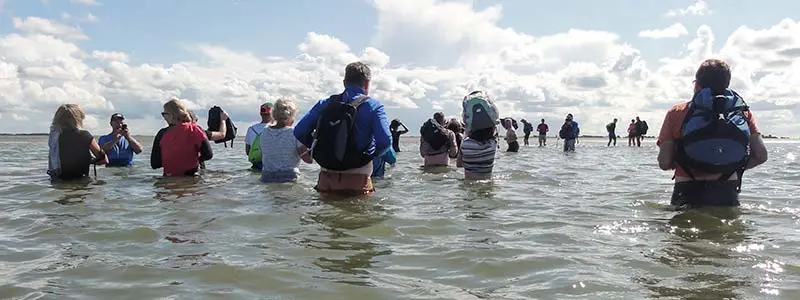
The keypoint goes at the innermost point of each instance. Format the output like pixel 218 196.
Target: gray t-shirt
pixel 279 150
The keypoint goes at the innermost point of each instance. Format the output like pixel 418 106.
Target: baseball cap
pixel 117 116
pixel 266 108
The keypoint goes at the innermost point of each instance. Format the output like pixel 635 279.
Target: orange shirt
pixel 671 129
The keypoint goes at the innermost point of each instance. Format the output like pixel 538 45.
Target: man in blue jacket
pixel 370 135
pixel 569 132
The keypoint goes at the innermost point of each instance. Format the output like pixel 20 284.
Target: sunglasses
pixel 164 113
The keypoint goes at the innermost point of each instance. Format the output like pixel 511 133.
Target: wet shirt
pixel 180 148
pixel 121 154
pixel 70 156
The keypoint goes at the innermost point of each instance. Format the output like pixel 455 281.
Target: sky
pixel 598 60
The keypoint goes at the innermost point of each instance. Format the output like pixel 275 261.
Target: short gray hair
pixel 284 110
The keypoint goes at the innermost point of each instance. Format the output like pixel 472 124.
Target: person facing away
pixel 344 152
pixel 251 138
pixel 436 143
pixel 71 149
pixel 710 141
pixel 511 135
pixel 569 132
pixel 612 132
pixel 394 127
pixel 281 152
pixel 632 133
pixel 542 129
pixel 639 131
pixel 480 146
pixel 379 163
pixel 119 144
pixel 527 128
pixel 457 128
pixel 180 147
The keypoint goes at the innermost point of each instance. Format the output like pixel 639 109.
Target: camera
pixel 124 126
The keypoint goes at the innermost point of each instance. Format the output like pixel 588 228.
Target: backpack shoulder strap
pixel 360 100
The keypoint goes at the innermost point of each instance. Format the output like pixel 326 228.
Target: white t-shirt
pixel 253 131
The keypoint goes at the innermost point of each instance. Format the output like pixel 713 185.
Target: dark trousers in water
pixel 527 135
pixel 569 145
pixel 695 194
pixel 513 146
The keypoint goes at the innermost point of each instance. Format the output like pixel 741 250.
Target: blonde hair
pixel 68 116
pixel 177 112
pixel 284 111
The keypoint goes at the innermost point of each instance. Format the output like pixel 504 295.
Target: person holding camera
pixel 119 144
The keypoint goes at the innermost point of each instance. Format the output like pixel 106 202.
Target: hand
pixel 126 133
pixel 119 133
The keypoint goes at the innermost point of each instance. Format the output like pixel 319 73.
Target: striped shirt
pixel 478 157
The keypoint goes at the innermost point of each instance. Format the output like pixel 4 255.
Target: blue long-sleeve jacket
pixel 576 131
pixel 371 128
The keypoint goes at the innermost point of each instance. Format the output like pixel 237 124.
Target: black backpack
pixel 434 134
pixel 528 128
pixel 334 146
pixel 213 124
pixel 644 128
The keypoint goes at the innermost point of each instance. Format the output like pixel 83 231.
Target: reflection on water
pixel 583 225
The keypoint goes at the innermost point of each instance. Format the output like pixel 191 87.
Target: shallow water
pixel 585 225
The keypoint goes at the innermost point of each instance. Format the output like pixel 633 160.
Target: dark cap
pixel 117 116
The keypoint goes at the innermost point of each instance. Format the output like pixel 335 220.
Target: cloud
pixel 673 31
pixel 698 8
pixel 89 18
pixel 35 25
pixel 86 2
pixel 594 74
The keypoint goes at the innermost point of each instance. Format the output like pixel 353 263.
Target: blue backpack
pixel 715 135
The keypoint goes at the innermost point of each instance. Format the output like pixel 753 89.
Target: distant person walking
pixel 543 129
pixel 252 139
pixel 632 133
pixel 569 132
pixel 71 149
pixel 394 127
pixel 612 133
pixel 458 129
pixel 641 130
pixel 437 144
pixel 345 132
pixel 710 141
pixel 119 144
pixel 527 128
pixel 511 135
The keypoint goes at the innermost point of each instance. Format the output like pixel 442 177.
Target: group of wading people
pixel 349 137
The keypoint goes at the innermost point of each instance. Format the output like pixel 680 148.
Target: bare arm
pixel 453 147
pixel 98 152
pixel 223 128
pixel 666 155
pixel 135 145
pixel 758 151
pixel 305 155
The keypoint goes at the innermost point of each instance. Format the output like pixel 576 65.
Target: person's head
pixel 542 121
pixel 714 74
pixel 175 112
pixel 117 120
pixel 523 121
pixel 68 116
pixel 633 121
pixel 439 118
pixel 193 116
pixel 455 125
pixel 266 112
pixel 394 124
pixel 615 120
pixel 637 118
pixel 284 112
pixel 358 74
pixel 568 119
pixel 483 135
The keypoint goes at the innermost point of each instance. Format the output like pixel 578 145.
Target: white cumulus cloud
pixel 35 25
pixel 86 2
pixel 673 31
pixel 594 74
pixel 698 8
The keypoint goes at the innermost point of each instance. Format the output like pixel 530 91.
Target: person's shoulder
pixel 104 138
pixel 680 107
